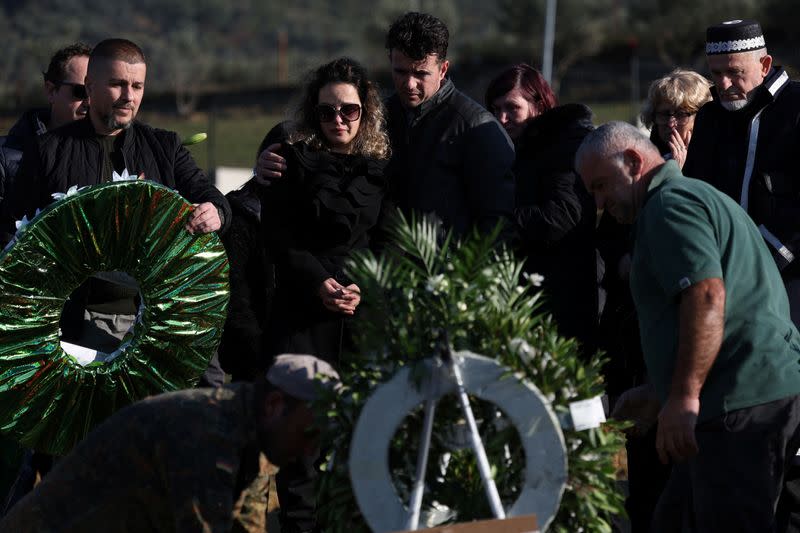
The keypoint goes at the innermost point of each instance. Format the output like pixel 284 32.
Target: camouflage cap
pixel 300 376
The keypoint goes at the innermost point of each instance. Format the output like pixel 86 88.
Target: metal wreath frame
pixel 526 407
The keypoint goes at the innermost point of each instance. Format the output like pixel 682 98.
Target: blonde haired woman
pixel 672 103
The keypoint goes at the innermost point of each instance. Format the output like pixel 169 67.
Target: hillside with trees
pixel 204 46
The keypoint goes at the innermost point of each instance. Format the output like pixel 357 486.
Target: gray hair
pixel 611 139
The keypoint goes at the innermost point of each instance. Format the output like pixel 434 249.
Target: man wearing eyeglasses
pixel 745 141
pixel 64 86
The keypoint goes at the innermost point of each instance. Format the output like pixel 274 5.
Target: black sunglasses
pixel 348 112
pixel 78 89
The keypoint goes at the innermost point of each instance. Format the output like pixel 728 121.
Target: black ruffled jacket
pixel 325 207
pixel 555 218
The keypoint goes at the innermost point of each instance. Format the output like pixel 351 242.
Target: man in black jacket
pixel 105 146
pixel 745 141
pixel 450 156
pixel 109 143
pixel 66 93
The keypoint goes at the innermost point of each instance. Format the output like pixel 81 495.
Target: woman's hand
pixel 678 146
pixel 338 298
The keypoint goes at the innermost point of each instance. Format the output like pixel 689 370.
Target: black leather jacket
pixel 766 184
pixel 450 157
pixel 71 155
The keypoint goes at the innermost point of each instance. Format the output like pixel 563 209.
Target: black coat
pixel 243 350
pixel 23 133
pixel 71 155
pixel 451 158
pixel 326 206
pixel 252 283
pixel 555 218
pixel 719 149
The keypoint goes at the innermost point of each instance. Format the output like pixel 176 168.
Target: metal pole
pixel 422 464
pixel 549 38
pixel 635 90
pixel 475 437
pixel 283 57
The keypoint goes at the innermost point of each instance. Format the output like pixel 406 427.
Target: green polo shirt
pixel 686 232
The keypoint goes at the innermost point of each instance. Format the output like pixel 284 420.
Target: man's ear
pixel 50 90
pixel 766 65
pixel 443 69
pixel 633 161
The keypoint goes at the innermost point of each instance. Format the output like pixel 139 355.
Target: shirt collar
pixel 444 92
pixel 668 170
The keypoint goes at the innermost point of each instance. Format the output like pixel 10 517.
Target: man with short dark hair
pixel 66 93
pixel 110 144
pixel 721 352
pixel 450 156
pixel 745 141
pixel 179 461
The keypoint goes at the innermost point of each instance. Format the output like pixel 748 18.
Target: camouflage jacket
pixel 172 462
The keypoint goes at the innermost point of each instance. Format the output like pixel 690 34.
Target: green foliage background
pixel 213 45
pixel 425 283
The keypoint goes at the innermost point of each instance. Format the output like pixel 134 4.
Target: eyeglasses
pixel 663 117
pixel 78 89
pixel 348 112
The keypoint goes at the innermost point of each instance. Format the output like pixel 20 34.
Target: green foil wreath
pixel 49 401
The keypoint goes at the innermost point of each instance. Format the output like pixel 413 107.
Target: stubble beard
pixel 113 124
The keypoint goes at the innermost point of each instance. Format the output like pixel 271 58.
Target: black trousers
pixel 647 478
pixel 735 482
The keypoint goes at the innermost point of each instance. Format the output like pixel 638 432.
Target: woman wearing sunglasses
pixel 326 206
pixel 672 103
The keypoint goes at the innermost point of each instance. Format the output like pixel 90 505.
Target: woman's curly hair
pixel 371 139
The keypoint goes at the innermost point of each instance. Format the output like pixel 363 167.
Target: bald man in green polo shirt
pixel 722 354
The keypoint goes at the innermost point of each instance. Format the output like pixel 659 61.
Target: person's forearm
pixel 702 321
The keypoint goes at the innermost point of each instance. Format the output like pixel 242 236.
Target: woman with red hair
pixel 554 214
